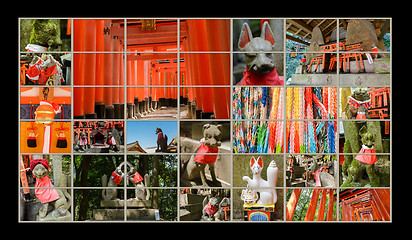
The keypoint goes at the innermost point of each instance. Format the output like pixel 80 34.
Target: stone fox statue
pixel 161 141
pixel 195 168
pixel 266 189
pixel 111 192
pixel 60 199
pixel 44 35
pixel 260 63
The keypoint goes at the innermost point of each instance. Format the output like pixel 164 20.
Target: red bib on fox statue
pixel 254 78
pixel 368 159
pixel 206 159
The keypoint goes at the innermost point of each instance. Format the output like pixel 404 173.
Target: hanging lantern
pixel 46 111
pixel 148 24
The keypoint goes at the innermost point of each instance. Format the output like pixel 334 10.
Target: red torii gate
pixel 207 68
pixel 160 38
pixel 365 204
pixel 91 35
pixel 310 214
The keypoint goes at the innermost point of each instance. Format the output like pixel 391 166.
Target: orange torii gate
pixel 146 74
pixel 310 214
pixel 153 64
pixel 159 37
pixel 91 35
pixel 365 204
pixel 207 68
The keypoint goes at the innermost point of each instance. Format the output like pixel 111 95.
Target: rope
pixel 289 99
pixel 296 112
pixel 274 115
pixel 320 106
pixel 279 125
pixel 311 137
pixel 333 103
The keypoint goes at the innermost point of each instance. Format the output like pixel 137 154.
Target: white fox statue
pixel 265 188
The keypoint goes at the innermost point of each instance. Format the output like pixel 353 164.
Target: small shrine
pixel 98 136
pixel 356 40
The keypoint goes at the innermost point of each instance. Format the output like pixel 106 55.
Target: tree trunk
pixel 84 202
pixel 57 169
pixel 155 182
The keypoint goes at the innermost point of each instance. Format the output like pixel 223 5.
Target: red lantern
pixel 46 111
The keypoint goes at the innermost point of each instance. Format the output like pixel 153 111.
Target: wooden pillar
pixel 343 206
pixel 219 65
pixel 310 214
pixel 99 101
pixel 107 73
pixel 329 215
pixel 78 67
pixel 291 206
pixel 129 91
pixel 115 76
pixel 205 72
pixel 90 66
pixel 321 212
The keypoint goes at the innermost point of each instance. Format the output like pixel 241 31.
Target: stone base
pixel 142 214
pixel 364 79
pixel 345 79
pixel 314 79
pixel 131 214
pixel 55 216
pixel 132 202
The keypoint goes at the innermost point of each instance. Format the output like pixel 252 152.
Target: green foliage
pixel 94 166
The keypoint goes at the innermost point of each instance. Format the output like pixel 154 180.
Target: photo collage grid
pixel 205 119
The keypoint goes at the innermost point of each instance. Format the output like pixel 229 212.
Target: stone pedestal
pixel 136 210
pixel 345 79
pixel 314 79
pixel 364 80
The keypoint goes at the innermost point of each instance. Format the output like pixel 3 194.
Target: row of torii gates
pixel 356 204
pixel 152 60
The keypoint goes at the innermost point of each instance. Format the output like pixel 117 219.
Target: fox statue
pixel 260 62
pixel 265 188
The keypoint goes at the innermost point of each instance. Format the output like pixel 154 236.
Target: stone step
pixel 130 203
pixel 191 212
pixel 188 198
pixel 118 214
pixel 197 207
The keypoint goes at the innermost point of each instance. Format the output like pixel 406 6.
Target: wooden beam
pixel 330 31
pixel 302 24
pixel 162 34
pixel 297 40
pixel 153 56
pixel 320 23
pixel 382 199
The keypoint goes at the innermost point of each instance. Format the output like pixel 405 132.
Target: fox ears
pixel 267 34
pixel 246 35
pixel 259 161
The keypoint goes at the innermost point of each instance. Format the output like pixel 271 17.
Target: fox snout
pixel 260 62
